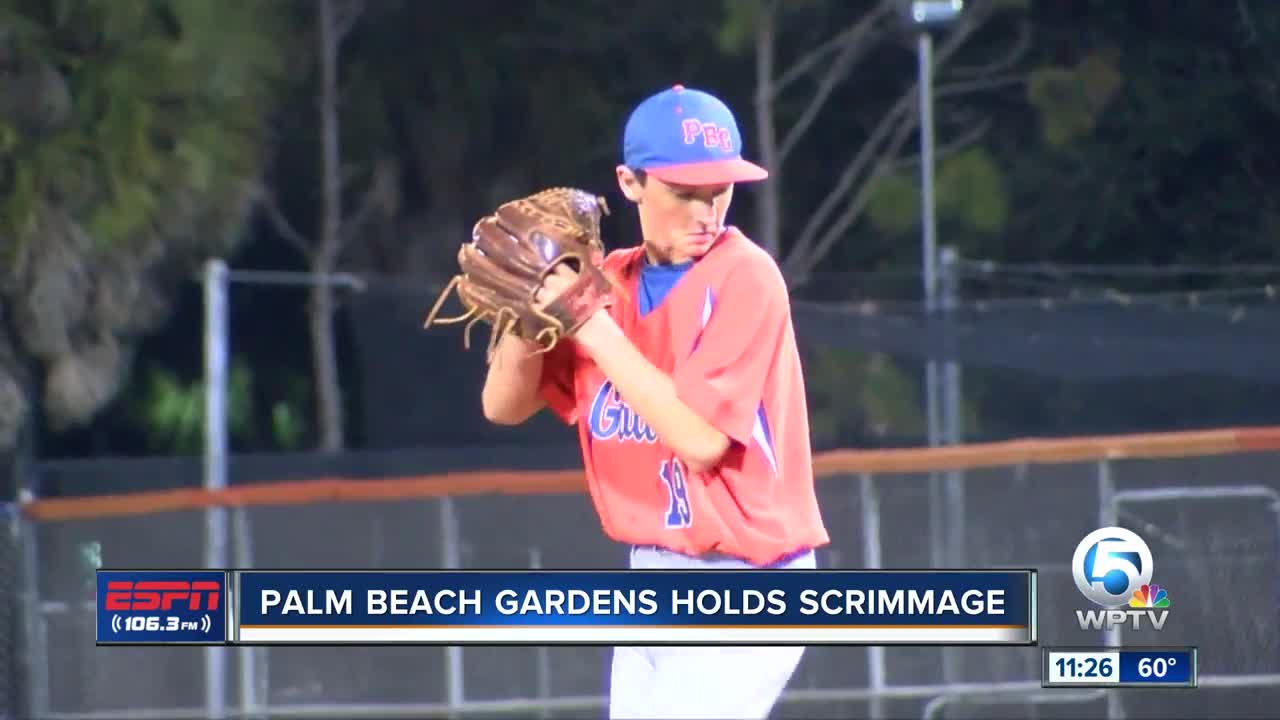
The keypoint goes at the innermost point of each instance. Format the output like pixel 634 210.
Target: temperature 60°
pixel 1155 667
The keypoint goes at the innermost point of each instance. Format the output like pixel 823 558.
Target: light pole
pixel 927 17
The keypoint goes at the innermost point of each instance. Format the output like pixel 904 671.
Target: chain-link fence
pixel 10 680
pixel 1061 365
pixel 1211 522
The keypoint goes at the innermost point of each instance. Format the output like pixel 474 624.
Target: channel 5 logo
pixel 1112 568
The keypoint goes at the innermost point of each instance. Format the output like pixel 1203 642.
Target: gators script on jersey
pixel 722 330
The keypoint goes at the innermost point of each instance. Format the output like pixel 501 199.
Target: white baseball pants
pixel 661 682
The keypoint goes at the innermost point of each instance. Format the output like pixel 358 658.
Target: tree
pixel 468 139
pixel 1150 138
pixel 334 20
pixel 1139 143
pixel 130 136
pixel 790 96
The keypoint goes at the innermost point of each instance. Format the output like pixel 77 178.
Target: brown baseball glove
pixel 513 250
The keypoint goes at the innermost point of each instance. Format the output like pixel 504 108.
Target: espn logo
pixel 126 595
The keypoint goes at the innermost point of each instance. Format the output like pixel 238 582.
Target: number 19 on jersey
pixel 1121 667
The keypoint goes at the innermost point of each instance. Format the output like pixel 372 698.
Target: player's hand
pixel 556 282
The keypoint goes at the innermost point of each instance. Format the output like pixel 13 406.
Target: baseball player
pixel 688 399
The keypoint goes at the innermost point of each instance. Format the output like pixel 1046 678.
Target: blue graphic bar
pixel 1171 667
pixel 1150 667
pixel 957 607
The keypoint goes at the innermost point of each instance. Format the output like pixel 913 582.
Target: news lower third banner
pixel 547 607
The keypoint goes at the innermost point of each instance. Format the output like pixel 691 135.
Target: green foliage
pixel 1070 100
pixel 854 394
pixel 969 188
pixel 289 422
pixel 1153 154
pixel 130 133
pixel 171 412
pixel 287 426
pixel 736 35
pixel 894 205
pixel 1157 153
pixel 165 97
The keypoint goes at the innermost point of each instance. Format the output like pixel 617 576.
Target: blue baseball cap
pixel 687 137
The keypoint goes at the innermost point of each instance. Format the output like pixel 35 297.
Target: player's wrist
pixel 595 331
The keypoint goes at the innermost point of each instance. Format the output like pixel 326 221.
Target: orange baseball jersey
pixel 723 332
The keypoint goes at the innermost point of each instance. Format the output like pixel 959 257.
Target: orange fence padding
pixel 515 482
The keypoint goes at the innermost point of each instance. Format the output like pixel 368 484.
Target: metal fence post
pixel 215 458
pixel 217 281
pixel 543 661
pixel 34 694
pixel 33 643
pixel 452 560
pixel 872 558
pixel 1108 517
pixel 952 409
pixel 952 433
pixel 250 659
pixel 11 615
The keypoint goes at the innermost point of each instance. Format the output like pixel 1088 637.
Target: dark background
pixel 1166 169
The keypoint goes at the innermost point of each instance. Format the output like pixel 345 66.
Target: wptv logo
pixel 1112 567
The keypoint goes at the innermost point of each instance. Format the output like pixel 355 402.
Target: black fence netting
pixel 1067 361
pixel 421 387
pixel 1103 338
